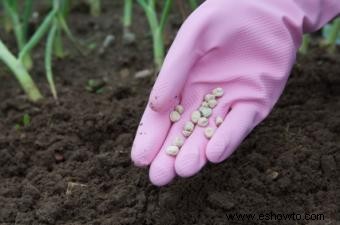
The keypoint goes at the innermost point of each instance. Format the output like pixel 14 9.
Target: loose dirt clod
pixel 218 92
pixel 172 150
pixel 195 116
pixel 218 121
pixel 175 116
pixel 189 126
pixel 209 132
pixel 178 141
pixel 179 109
pixel 205 111
pixel 202 122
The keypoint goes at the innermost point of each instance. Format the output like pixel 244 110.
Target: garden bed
pixel 71 164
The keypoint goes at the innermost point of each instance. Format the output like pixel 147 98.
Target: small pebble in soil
pixel 179 109
pixel 218 92
pixel 205 111
pixel 212 103
pixel 209 97
pixel 209 132
pixel 172 150
pixel 202 122
pixel 218 121
pixel 178 141
pixel 189 126
pixel 186 133
pixel 195 116
pixel 175 116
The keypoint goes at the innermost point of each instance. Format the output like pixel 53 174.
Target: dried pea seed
pixel 209 132
pixel 179 109
pixel 212 103
pixel 202 122
pixel 209 97
pixel 172 150
pixel 195 116
pixel 178 141
pixel 174 116
pixel 186 133
pixel 218 121
pixel 205 104
pixel 218 92
pixel 189 126
pixel 205 111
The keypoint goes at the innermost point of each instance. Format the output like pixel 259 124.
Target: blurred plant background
pixel 30 26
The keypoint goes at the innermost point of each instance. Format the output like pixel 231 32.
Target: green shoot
pixel 157 27
pixel 127 17
pixel 128 36
pixel 333 35
pixel 48 58
pixel 26 120
pixel 95 7
pixel 193 4
pixel 95 86
pixel 305 44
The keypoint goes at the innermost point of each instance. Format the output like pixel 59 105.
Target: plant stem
pixel 157 28
pixel 38 34
pixel 48 57
pixel 20 73
pixel 95 7
pixel 26 17
pixel 334 35
pixel 305 44
pixel 11 9
pixel 158 48
pixel 127 17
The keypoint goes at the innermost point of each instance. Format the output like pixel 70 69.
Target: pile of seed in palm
pixel 199 117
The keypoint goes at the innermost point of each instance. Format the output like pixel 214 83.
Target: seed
pixel 202 122
pixel 186 133
pixel 218 92
pixel 174 116
pixel 179 109
pixel 209 97
pixel 209 132
pixel 212 103
pixel 189 126
pixel 205 111
pixel 205 104
pixel 218 121
pixel 172 150
pixel 195 116
pixel 178 141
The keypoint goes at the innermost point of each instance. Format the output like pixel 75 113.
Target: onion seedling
pixel 17 64
pixel 157 27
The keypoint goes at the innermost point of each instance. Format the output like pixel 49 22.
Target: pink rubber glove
pixel 246 47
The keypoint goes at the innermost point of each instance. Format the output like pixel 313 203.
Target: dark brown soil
pixel 72 165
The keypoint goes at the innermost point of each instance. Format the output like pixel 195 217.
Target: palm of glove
pixel 249 57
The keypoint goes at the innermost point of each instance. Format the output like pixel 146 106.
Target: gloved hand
pixel 247 48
